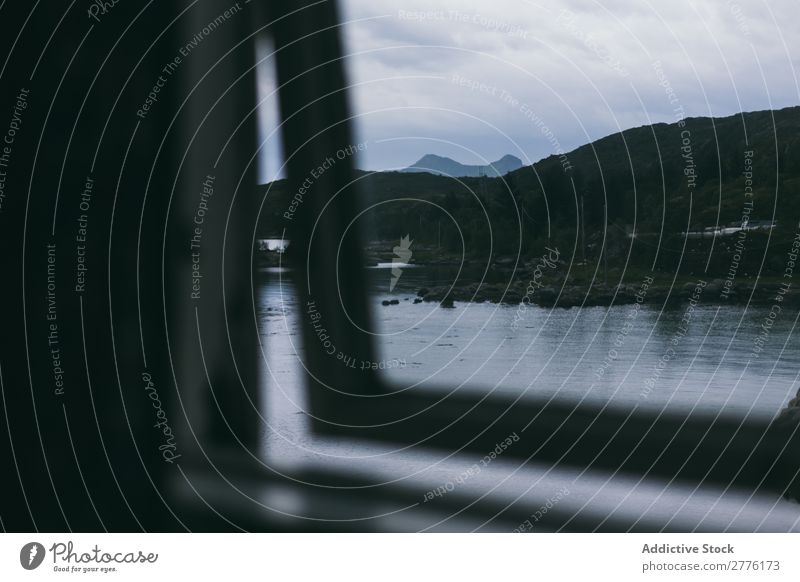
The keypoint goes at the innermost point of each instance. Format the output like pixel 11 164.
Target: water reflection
pixel 594 354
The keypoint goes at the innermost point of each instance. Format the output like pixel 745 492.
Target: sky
pixel 475 80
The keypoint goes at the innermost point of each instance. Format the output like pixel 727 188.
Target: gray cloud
pixel 585 68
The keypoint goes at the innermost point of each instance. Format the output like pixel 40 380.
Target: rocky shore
pixel 573 295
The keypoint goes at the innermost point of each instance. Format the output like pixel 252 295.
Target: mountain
pixel 676 177
pixel 661 180
pixel 439 165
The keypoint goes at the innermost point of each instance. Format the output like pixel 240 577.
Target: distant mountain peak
pixel 441 165
pixel 433 158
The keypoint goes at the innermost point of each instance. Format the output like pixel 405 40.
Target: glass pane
pixel 519 244
pixel 560 206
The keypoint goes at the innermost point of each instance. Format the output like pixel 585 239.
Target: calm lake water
pixel 708 359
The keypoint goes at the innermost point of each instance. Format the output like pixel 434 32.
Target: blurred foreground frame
pixel 92 454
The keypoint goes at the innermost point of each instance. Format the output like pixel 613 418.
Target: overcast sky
pixel 475 80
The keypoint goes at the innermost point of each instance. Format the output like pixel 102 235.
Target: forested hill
pixel 664 178
pixel 702 157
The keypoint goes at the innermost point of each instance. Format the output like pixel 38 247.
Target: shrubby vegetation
pixel 644 180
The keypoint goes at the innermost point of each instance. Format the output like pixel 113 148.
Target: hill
pixel 658 181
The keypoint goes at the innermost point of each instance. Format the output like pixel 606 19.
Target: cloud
pixel 584 67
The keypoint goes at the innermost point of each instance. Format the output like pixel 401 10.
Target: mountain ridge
pixel 444 166
pixel 636 180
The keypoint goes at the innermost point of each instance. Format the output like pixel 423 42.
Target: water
pixel 710 360
pixel 706 359
pixel 273 244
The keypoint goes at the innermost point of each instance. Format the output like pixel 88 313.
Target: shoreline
pixel 553 288
pixel 581 295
